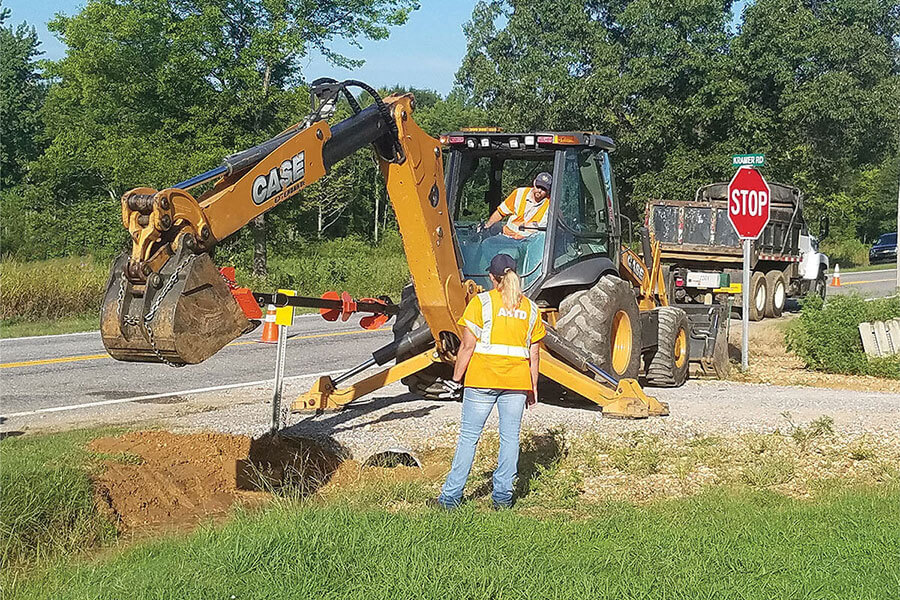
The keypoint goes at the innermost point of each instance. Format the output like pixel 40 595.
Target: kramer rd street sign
pixel 748 202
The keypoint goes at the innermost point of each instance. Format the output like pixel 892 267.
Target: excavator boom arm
pixel 165 301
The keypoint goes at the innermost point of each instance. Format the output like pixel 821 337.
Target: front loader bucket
pixel 187 317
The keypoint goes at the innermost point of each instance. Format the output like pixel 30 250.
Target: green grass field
pixel 718 545
pixel 16 327
pixel 47 499
pixel 741 538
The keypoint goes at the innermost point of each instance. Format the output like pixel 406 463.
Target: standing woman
pixel 499 356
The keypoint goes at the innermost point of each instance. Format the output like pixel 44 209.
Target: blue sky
pixel 423 53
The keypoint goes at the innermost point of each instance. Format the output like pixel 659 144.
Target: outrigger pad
pixel 194 319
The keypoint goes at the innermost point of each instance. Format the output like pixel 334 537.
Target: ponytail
pixel 510 287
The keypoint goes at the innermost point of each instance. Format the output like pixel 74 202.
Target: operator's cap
pixel 500 264
pixel 544 181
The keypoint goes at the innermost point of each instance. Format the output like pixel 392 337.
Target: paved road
pixel 59 373
pixel 872 284
pixel 71 377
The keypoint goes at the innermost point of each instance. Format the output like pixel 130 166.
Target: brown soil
pixel 770 362
pixel 158 479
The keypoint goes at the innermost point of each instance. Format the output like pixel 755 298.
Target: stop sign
pixel 748 202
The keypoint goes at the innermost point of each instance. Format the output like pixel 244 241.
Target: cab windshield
pixel 484 183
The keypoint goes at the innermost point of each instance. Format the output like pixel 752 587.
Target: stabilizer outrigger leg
pixel 325 393
pixel 620 398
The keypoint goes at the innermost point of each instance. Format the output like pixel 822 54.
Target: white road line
pixel 162 395
pixel 55 335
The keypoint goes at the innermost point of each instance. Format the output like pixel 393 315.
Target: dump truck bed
pixel 699 229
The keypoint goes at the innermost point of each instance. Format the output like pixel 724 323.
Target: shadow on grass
pixel 290 466
pixel 537 453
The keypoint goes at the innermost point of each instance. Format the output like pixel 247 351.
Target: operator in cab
pixel 525 207
pixel 499 357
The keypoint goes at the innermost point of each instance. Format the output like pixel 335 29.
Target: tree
pixel 153 91
pixel 655 76
pixel 823 80
pixel 21 96
pixel 811 83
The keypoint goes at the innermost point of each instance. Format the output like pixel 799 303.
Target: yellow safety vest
pixel 503 340
pixel 515 206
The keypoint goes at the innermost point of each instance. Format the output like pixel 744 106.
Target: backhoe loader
pixel 166 301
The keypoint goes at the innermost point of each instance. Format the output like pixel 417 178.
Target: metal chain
pixel 154 306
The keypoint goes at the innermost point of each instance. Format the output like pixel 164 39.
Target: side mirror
pixel 823 226
pixel 629 228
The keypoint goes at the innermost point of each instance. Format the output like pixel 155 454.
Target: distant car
pixel 885 249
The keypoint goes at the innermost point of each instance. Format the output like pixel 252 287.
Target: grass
pixel 17 327
pixel 47 498
pixel 718 545
pixel 749 516
pixel 51 289
pixel 876 267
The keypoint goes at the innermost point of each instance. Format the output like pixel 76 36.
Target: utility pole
pixel 898 233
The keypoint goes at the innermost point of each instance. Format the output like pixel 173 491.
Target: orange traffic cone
pixel 836 276
pixel 270 328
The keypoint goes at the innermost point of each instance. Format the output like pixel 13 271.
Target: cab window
pixel 582 226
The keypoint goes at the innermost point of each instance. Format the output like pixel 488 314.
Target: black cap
pixel 543 180
pixel 500 264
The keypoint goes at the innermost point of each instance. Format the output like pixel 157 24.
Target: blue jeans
pixel 477 406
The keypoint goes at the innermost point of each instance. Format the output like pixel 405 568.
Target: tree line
pixel 151 92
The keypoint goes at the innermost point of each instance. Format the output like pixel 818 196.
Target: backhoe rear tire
pixel 667 366
pixel 425 382
pixel 604 322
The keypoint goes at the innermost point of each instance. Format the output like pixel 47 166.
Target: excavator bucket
pixel 182 315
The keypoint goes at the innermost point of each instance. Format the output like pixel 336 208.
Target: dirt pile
pixel 162 479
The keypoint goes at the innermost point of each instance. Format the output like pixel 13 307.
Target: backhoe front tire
pixel 604 322
pixel 667 366
pixel 425 382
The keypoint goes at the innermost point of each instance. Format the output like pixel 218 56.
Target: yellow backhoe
pixel 605 308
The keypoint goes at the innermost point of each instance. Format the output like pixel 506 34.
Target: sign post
pixel 748 211
pixel 284 318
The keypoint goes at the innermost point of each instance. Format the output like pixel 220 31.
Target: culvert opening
pixel 391 458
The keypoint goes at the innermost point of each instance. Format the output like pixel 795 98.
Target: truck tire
pixel 425 382
pixel 776 292
pixel 667 366
pixel 604 322
pixel 758 296
pixel 820 285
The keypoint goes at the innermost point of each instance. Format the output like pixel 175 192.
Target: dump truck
pixel 606 307
pixel 702 254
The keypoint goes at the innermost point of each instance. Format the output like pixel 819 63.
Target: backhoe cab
pixel 603 298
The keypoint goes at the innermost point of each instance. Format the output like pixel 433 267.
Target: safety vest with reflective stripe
pixel 503 339
pixel 522 212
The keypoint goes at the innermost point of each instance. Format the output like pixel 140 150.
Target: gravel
pixel 393 418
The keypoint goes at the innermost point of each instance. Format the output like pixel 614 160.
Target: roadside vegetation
pixel 826 335
pixel 47 506
pixel 63 295
pixel 623 514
